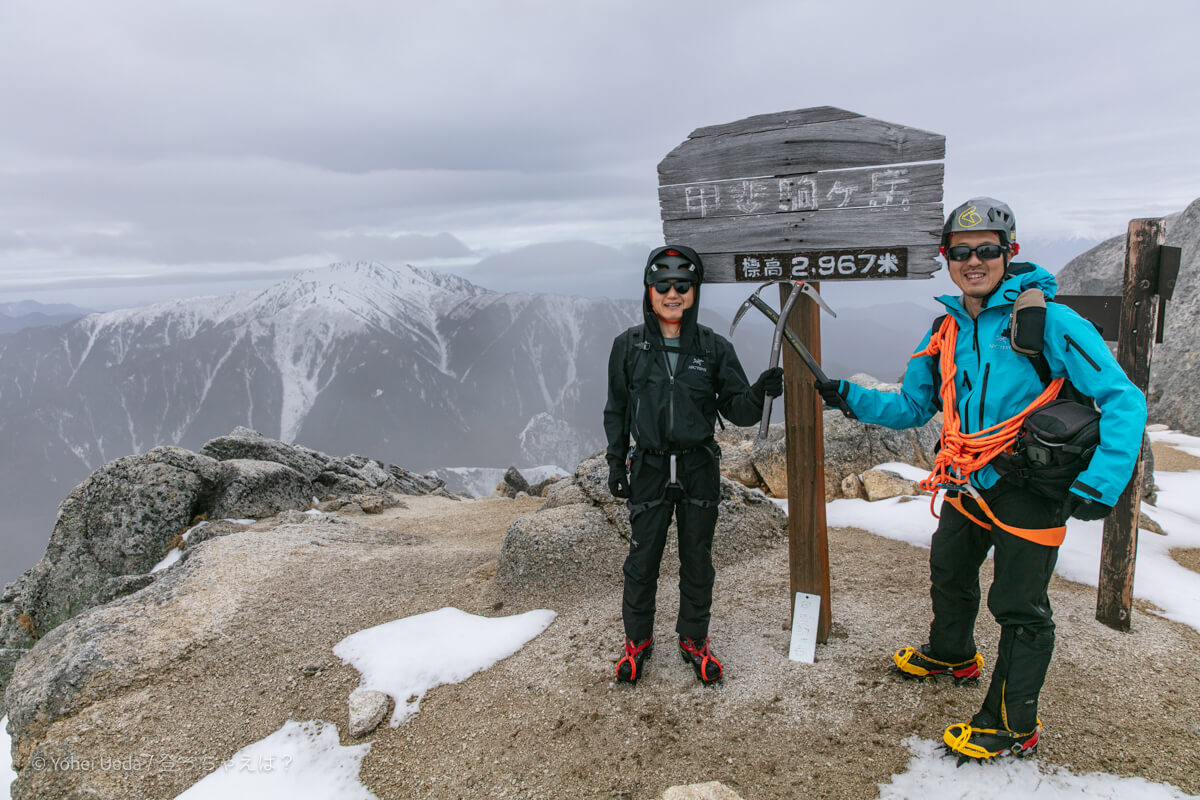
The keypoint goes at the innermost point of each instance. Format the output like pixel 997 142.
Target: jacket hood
pixel 687 329
pixel 1021 275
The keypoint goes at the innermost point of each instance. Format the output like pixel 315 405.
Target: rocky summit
pixel 115 527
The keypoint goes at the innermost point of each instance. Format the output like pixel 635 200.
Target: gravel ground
pixel 549 721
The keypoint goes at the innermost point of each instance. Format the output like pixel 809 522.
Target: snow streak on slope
pixel 310 313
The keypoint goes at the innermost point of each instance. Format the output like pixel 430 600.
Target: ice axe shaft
pixel 800 350
pixel 776 350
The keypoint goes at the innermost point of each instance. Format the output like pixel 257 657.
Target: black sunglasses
pixel 985 251
pixel 662 287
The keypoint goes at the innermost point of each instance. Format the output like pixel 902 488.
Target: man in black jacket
pixel 667 379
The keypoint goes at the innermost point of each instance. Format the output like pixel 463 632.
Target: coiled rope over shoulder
pixel 961 454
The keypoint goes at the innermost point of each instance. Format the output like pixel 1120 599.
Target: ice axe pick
pixel 783 332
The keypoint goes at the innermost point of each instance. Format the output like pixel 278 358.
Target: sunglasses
pixel 662 287
pixel 985 251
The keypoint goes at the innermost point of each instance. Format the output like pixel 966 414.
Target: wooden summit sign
pixel 816 194
pixel 811 195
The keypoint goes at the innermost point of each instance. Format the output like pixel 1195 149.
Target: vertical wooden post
pixel 1135 341
pixel 808 543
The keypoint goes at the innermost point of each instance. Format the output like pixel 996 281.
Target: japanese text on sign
pixel 884 188
pixel 823 265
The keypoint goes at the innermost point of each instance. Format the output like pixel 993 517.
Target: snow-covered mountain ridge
pixel 415 366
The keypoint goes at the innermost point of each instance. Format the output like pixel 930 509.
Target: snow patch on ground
pixel 932 775
pixel 1159 578
pixel 408 657
pixel 1180 441
pixel 300 761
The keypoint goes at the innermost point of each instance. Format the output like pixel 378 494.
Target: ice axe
pixel 782 331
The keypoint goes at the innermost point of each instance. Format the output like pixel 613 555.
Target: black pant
pixel 693 503
pixel 1018 598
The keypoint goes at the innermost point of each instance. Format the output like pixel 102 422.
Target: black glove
pixel 831 392
pixel 769 384
pixel 1083 508
pixel 618 482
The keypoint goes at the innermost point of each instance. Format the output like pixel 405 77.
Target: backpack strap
pixel 637 341
pixel 933 363
pixel 1027 330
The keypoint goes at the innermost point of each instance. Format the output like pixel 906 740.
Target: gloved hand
pixel 831 392
pixel 1083 508
pixel 618 482
pixel 769 384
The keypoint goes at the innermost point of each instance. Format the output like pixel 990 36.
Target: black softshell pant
pixel 1017 599
pixel 652 504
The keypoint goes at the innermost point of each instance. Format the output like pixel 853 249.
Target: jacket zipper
pixel 670 399
pixel 983 392
pixel 1072 343
pixel 966 409
pixel 975 343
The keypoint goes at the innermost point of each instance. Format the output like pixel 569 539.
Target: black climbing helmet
pixel 983 214
pixel 674 262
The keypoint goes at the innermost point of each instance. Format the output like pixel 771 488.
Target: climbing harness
pixel 961 454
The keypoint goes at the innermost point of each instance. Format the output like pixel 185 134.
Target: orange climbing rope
pixel 961 453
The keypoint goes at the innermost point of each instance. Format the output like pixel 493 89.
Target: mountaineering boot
pixel 629 668
pixel 697 653
pixel 914 663
pixel 982 740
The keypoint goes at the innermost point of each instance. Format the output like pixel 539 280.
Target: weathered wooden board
pixel 722 268
pixel 795 182
pixel 823 265
pixel 779 119
pixel 874 187
pixel 810 230
pixel 839 144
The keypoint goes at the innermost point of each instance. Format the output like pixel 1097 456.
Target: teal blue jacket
pixel 993 383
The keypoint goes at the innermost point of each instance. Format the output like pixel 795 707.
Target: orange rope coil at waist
pixel 961 454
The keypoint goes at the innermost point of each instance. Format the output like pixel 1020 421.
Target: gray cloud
pixel 191 138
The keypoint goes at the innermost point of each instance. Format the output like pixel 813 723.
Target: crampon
pixel 697 653
pixel 915 664
pixel 629 667
pixel 985 745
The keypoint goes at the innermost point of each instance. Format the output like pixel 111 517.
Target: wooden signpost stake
pixel 804 427
pixel 1140 304
pixel 819 194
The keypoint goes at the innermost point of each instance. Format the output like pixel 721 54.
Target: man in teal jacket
pixel 992 383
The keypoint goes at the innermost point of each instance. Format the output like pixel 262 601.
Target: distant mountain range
pixel 414 367
pixel 29 314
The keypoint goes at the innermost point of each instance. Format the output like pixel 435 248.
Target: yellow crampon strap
pixel 1050 537
pixel 958 738
pixel 903 659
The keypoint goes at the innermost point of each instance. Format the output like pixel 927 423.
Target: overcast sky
pixel 155 150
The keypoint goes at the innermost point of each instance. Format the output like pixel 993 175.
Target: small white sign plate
pixel 804 627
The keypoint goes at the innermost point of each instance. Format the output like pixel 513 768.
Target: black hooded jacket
pixel 673 412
